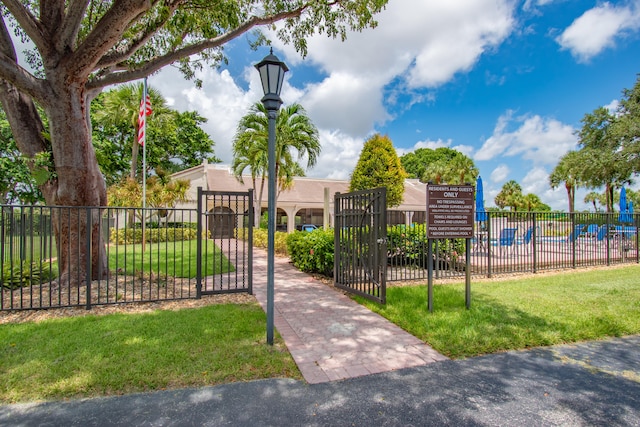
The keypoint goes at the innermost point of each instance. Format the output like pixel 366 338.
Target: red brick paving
pixel 330 336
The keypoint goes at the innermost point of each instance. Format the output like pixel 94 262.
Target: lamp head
pixel 271 71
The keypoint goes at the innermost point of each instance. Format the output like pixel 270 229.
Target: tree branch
pixel 107 32
pixel 11 71
pixel 113 58
pixel 6 42
pixel 68 32
pixel 51 13
pixel 27 22
pixel 156 64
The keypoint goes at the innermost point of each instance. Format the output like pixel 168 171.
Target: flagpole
pixel 144 164
pixel 144 149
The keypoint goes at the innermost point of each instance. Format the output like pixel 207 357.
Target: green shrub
pixel 407 245
pixel 27 273
pixel 134 235
pixel 312 251
pixel 260 237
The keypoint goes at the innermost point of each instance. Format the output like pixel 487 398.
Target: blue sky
pixel 505 82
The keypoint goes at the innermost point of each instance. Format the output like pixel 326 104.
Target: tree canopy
pixel 82 47
pixel 175 140
pixel 379 166
pixel 442 165
pixel 510 195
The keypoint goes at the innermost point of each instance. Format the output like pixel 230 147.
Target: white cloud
pixel 353 112
pixel 464 149
pixel 541 140
pixel 613 106
pixel 339 155
pixel 500 174
pixel 436 41
pixel 535 181
pixel 220 100
pixel 532 4
pixel 598 29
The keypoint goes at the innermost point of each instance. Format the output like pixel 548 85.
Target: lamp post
pixel 271 71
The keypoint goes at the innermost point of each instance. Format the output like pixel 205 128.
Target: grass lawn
pixel 519 313
pixel 176 259
pixel 122 353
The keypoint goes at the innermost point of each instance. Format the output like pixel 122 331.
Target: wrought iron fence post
pixel 467 274
pixel 574 240
pixel 429 276
pixel 250 239
pixel 199 246
pixel 489 214
pixel 534 236
pixel 88 256
pixel 337 220
pixel 635 221
pixel 608 239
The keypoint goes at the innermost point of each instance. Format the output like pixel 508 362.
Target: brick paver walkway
pixel 330 336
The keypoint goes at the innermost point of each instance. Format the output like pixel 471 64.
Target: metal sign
pixel 450 211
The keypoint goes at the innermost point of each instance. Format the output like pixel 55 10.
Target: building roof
pixel 305 191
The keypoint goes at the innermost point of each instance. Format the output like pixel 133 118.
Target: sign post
pixel 450 215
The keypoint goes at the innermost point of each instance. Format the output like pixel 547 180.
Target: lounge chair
pixel 592 230
pixel 577 232
pixel 507 239
pixel 527 239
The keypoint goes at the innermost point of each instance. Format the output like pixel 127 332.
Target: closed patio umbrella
pixel 481 214
pixel 624 209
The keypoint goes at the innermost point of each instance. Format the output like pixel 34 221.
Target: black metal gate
pixel 225 242
pixel 360 261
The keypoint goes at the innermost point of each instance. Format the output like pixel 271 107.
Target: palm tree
pixel 568 171
pixel 436 172
pixel 463 170
pixel 510 195
pixel 296 138
pixel 531 202
pixel 593 198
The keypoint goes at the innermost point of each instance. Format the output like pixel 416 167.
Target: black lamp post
pixel 271 75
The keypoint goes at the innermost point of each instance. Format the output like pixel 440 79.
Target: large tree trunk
pixel 76 181
pixel 80 185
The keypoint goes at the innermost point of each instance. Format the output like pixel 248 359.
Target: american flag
pixel 145 110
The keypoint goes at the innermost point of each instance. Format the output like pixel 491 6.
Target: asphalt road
pixel 588 384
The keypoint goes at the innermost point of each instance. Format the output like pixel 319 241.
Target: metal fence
pixel 130 263
pixel 513 242
pixel 165 266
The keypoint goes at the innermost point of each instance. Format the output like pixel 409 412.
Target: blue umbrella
pixel 624 210
pixel 481 214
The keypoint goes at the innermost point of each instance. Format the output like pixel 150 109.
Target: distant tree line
pixel 608 155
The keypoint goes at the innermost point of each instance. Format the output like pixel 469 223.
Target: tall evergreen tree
pixel 379 166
